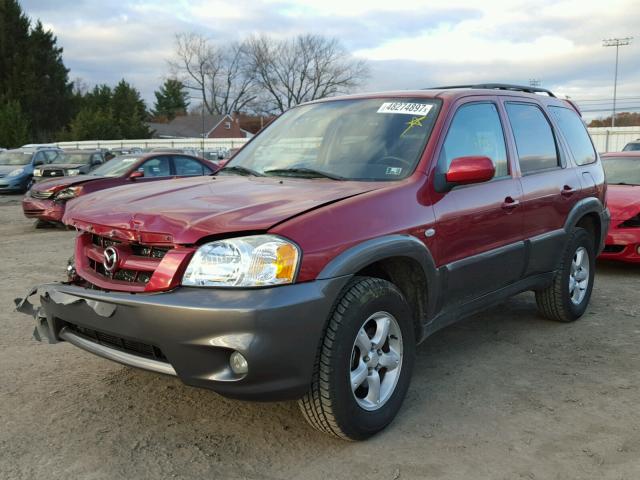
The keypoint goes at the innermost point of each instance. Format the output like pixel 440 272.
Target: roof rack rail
pixel 498 86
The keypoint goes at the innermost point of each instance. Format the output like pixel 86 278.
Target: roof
pixel 186 126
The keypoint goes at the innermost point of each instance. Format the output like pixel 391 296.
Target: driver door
pixel 479 227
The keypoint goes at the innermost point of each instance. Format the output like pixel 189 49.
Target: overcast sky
pixel 408 43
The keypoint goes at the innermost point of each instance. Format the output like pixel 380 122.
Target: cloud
pixel 408 44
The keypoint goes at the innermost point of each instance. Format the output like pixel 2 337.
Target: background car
pixel 632 146
pixel 623 198
pixel 46 200
pixel 16 166
pixel 70 163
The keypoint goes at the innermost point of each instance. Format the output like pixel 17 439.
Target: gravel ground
pixel 503 395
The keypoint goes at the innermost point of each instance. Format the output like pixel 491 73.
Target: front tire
pixel 567 298
pixel 364 363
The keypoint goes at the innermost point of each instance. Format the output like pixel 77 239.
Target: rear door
pixel 550 186
pixel 479 226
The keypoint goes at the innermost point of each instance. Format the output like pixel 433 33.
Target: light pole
pixel 616 42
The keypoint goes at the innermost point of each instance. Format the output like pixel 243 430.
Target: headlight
pixel 16 172
pixel 253 261
pixel 37 172
pixel 67 193
pixel 73 171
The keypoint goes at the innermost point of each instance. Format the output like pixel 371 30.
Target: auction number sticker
pixel 405 108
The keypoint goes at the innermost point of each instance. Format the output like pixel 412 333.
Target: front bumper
pixel 191 332
pixel 42 209
pixel 622 244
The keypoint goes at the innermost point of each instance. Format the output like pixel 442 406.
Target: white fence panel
pixel 608 139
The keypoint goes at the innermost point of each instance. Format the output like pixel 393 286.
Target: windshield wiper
pixel 241 170
pixel 304 172
pixel 624 183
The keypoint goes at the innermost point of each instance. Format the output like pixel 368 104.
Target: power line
pixel 616 42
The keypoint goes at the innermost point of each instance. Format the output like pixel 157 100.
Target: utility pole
pixel 615 42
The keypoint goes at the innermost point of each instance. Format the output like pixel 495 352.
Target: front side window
pixel 575 133
pixel 476 130
pixel 534 138
pixel 156 167
pixel 362 139
pixel 631 147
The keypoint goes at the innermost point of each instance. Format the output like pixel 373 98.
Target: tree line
pixel 259 76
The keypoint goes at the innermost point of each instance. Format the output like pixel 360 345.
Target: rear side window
pixel 534 138
pixel 575 133
pixel 476 130
pixel 188 166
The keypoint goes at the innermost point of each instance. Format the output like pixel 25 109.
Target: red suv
pixel 339 238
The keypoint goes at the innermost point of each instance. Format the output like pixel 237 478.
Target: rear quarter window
pixel 575 133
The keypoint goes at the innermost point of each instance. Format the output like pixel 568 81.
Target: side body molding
pixel 366 253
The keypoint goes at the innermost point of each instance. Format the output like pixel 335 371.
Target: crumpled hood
pixel 192 208
pixel 623 201
pixel 55 182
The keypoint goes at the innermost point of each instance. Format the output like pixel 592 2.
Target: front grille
pixel 134 347
pixel 53 172
pixel 613 248
pixel 33 212
pixel 135 276
pixel 41 194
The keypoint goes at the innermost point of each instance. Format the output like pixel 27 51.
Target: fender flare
pixel 587 206
pixel 371 251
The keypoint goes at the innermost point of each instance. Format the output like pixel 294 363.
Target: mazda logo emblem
pixel 110 261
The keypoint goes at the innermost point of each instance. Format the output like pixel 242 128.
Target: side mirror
pixel 466 170
pixel 136 174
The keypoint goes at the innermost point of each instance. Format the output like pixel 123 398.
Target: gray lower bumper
pixel 195 330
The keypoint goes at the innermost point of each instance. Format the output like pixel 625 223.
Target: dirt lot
pixel 504 395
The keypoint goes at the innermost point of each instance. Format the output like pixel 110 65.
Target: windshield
pixel 15 158
pixel 363 139
pixel 115 167
pixel 622 170
pixel 74 158
pixel 631 147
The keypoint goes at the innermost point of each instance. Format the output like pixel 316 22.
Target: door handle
pixel 510 203
pixel 567 191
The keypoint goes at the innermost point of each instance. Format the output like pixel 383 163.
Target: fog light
pixel 638 249
pixel 238 363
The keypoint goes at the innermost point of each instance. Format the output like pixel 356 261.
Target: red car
pixel 46 200
pixel 623 178
pixel 341 236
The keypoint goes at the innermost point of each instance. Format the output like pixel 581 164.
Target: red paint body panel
pixel 622 243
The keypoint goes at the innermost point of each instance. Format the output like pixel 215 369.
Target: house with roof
pixel 193 126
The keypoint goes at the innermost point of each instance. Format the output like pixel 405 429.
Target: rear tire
pixel 567 298
pixel 364 363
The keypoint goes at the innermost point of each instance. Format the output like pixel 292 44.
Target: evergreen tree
pixel 171 100
pixel 129 111
pixel 32 72
pixel 14 127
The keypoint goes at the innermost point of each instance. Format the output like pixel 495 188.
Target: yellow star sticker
pixel 414 122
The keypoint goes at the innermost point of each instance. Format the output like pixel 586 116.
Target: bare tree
pixel 303 68
pixel 220 74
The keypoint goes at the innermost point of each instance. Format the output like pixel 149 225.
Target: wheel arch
pixel 401 259
pixel 588 213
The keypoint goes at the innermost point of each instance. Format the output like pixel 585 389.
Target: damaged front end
pixel 48 329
